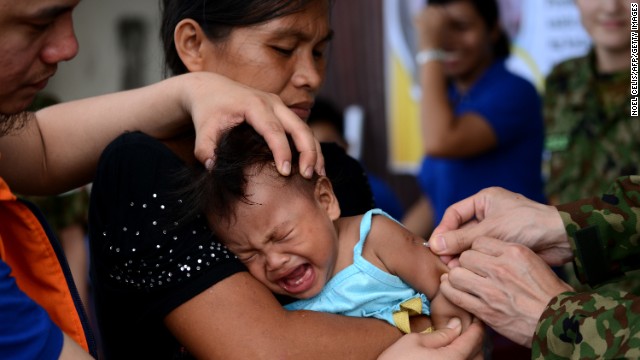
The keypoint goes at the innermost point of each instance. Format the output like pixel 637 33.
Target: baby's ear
pixel 327 198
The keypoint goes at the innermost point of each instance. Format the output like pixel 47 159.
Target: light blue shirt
pixel 362 289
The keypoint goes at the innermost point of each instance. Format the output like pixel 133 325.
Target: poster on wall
pixel 543 33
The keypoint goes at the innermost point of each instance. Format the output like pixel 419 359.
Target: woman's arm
pixel 444 134
pixel 72 351
pixel 238 318
pixel 58 150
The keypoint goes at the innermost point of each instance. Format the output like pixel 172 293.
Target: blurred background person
pixel 481 124
pixel 591 136
pixel 327 124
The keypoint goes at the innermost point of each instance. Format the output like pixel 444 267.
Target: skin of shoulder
pixel 398 251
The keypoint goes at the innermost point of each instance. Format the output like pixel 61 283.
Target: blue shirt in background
pixel 513 108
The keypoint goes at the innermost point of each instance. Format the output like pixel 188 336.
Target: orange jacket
pixel 38 264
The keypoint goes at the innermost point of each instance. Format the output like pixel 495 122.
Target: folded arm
pixel 238 318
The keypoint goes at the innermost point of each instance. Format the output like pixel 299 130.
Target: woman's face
pixel 607 22
pixel 468 40
pixel 285 56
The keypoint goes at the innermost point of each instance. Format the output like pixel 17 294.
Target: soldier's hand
pixel 503 284
pixel 502 214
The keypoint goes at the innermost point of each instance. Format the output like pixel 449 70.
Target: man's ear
pixel 190 38
pixel 327 198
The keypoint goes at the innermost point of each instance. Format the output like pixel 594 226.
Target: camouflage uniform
pixel 604 235
pixel 591 138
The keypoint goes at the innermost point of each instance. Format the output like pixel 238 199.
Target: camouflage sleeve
pixel 605 232
pixel 592 325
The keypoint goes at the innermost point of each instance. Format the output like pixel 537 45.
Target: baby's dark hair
pixel 240 154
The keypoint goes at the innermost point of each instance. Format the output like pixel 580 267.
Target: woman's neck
pixel 612 61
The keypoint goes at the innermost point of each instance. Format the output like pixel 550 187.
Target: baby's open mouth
pixel 299 280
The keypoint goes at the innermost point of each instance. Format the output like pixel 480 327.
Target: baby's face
pixel 285 236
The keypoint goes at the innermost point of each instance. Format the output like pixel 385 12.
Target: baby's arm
pixel 442 310
pixel 403 254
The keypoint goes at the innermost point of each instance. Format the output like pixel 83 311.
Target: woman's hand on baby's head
pixel 265 112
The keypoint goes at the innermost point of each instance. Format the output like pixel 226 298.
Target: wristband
pixel 425 56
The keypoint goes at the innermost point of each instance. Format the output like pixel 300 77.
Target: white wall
pixel 98 67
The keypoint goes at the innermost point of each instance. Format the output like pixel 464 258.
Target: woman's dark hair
pixel 217 18
pixel 490 13
pixel 240 154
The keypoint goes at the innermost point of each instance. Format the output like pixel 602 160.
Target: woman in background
pixel 482 125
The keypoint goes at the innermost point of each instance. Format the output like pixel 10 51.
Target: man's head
pixel 35 35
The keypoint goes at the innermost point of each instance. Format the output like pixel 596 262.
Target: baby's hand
pixel 442 310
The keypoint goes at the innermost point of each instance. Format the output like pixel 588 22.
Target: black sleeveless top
pixel 146 260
